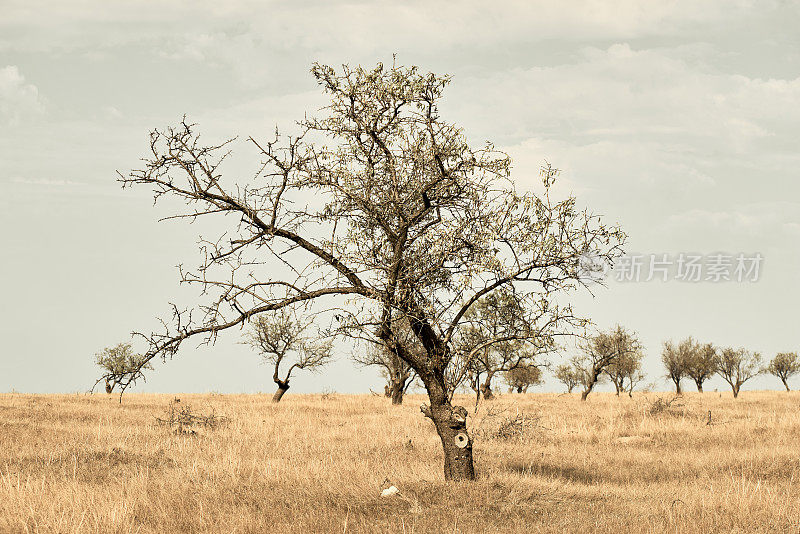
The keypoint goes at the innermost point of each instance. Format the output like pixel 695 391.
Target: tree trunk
pixel 519 389
pixel 282 387
pixel 486 388
pixel 678 390
pixel 699 384
pixel 785 384
pixel 396 392
pixel 110 387
pixel 736 391
pixel 593 378
pixel 451 425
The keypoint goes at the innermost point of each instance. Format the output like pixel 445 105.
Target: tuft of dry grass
pixel 546 463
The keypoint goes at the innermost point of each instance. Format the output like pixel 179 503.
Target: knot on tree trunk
pixel 451 425
pixel 426 411
pixel 456 416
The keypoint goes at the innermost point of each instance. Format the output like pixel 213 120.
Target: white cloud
pixel 619 91
pixel 758 219
pixel 18 100
pixel 618 118
pixel 341 27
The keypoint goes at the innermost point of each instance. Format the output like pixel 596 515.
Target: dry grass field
pixel 314 463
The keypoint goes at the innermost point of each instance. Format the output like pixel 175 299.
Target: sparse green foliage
pixel 784 365
pixel 119 362
pixel 737 366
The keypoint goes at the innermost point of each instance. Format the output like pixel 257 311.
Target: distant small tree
pixel 784 365
pixel 119 361
pixel 737 366
pixel 702 364
pixel 398 372
pixel 676 359
pixel 503 332
pixel 625 370
pixel 280 339
pixel 522 377
pixel 567 375
pixel 634 380
pixel 600 352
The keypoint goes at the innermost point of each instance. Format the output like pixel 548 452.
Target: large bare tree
pixel 382 210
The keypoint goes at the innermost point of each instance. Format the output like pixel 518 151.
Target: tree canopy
pixel 378 210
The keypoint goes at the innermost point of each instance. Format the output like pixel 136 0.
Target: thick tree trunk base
pixel 282 388
pixel 451 425
pixel 486 389
pixel 395 390
pixel 397 396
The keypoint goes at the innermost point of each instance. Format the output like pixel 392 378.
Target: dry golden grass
pixel 315 464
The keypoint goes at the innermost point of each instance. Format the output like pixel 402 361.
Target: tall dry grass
pixel 546 463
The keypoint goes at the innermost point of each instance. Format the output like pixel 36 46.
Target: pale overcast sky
pixel 677 119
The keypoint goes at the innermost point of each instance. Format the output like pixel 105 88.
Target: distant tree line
pixel 616 356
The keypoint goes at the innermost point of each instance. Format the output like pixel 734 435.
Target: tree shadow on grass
pixel 547 470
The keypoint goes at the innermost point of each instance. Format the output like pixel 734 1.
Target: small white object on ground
pixel 391 491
